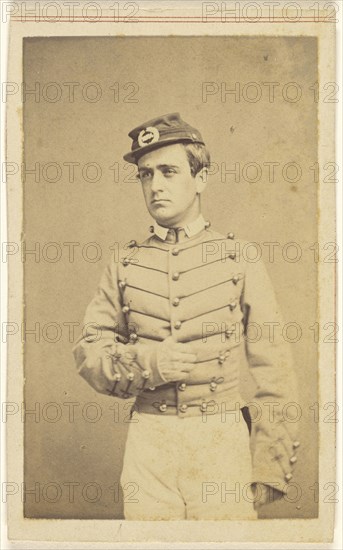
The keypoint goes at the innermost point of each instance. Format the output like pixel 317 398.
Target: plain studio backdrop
pixel 89 93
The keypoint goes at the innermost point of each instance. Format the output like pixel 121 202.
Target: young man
pixel 173 317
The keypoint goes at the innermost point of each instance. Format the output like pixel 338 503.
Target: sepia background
pixel 74 442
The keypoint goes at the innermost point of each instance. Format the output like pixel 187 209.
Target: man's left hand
pixel 265 494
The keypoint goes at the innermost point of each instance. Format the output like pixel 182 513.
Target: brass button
pixel 126 309
pixel 233 305
pixel 183 407
pixel 203 407
pixel 221 359
pixel 163 407
pixel 146 374
pixel 152 388
pixel 207 224
pixel 213 386
pixel 175 251
pixel 131 244
pixel 296 444
pixel 182 386
pixel 176 276
pixel 232 255
pixel 122 284
pixel 133 337
pixel 293 459
pixel 288 477
pixel 177 325
pixel 231 235
pixel 235 279
pixel 126 261
pixel 117 377
pixel 176 301
pixel 130 376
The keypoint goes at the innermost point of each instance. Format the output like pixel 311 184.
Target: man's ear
pixel 201 179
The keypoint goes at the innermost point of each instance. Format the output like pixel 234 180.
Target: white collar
pixel 190 229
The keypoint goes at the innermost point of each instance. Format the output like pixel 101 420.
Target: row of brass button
pixel 213 384
pixel 178 324
pixel 130 376
pixel 176 275
pixel 228 333
pixel 182 408
pixel 293 459
pixel 175 252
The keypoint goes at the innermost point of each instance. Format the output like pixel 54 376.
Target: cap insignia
pixel 147 136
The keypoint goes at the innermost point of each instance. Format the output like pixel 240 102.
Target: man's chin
pixel 164 222
pixel 164 219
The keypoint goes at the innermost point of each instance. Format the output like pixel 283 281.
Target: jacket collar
pixel 190 229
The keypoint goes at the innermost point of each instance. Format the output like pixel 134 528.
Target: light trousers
pixel 187 468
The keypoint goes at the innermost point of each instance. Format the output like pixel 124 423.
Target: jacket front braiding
pixel 204 293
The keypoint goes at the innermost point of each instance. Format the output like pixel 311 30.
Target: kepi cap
pixel 158 132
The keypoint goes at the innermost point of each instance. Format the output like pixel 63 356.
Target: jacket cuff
pixel 273 465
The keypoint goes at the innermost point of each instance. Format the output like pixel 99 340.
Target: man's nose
pixel 157 183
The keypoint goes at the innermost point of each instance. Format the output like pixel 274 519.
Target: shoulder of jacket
pixel 230 241
pixel 230 235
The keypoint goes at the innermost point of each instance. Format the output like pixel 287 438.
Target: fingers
pixel 184 368
pixel 169 341
pixel 107 367
pixel 177 346
pixel 264 494
pixel 183 357
pixel 183 348
pixel 179 372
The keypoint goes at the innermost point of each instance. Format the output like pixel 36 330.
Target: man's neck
pixel 190 228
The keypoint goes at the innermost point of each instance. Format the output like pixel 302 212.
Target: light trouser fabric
pixel 187 468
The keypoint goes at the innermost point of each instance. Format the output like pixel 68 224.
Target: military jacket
pixel 203 292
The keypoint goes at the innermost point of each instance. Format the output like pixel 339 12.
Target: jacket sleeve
pixel 107 353
pixel 275 413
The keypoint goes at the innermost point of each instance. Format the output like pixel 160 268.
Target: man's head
pixel 172 163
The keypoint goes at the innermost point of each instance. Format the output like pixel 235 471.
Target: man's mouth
pixel 159 201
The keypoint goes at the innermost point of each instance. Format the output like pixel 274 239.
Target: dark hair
pixel 198 157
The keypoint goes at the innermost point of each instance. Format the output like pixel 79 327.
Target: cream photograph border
pixel 120 531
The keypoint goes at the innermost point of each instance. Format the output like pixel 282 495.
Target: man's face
pixel 170 190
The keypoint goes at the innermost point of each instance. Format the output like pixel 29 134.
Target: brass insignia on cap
pixel 147 136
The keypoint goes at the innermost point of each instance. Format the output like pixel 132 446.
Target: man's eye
pixel 169 172
pixel 144 175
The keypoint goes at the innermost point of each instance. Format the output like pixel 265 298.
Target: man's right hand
pixel 175 360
